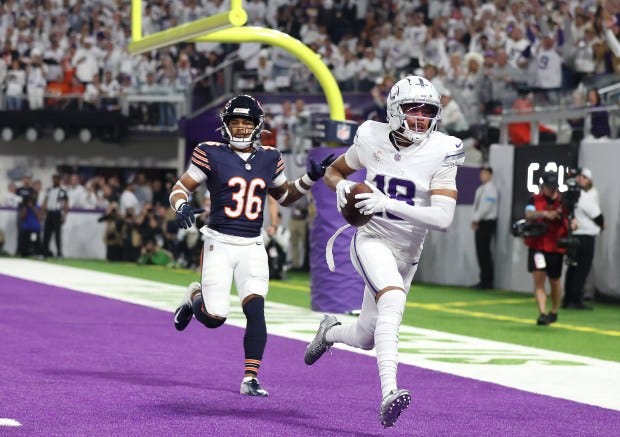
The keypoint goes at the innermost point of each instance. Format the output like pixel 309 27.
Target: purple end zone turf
pixel 76 364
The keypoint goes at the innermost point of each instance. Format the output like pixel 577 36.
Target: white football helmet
pixel 413 93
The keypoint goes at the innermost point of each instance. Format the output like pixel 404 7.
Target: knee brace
pixel 255 337
pixel 203 317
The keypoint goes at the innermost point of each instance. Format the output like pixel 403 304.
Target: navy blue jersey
pixel 238 187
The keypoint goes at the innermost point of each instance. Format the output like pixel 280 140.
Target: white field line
pixel 592 381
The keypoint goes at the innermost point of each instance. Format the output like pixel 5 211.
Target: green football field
pixel 490 314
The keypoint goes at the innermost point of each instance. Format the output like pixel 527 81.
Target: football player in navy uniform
pixel 411 169
pixel 239 174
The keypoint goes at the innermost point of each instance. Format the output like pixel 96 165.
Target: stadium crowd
pixel 483 57
pixel 478 53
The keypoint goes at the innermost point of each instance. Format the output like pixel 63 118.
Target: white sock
pixel 391 306
pixel 353 335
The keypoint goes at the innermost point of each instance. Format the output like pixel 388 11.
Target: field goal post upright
pixel 229 27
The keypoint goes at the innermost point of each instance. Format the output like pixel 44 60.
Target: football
pixel 351 214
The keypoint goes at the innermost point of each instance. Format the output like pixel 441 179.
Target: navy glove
pixel 185 215
pixel 317 170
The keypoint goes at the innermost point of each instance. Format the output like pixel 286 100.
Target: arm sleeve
pixel 196 173
pixel 438 216
pixel 352 157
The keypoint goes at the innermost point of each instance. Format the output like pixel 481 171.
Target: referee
pixel 484 223
pixel 55 207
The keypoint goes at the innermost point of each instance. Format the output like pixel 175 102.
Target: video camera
pixel 573 191
pixel 570 198
pixel 524 228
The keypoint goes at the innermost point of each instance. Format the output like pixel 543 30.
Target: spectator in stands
pixel 142 189
pixel 110 92
pixel 16 81
pixel 159 193
pixel 85 60
pixel 150 111
pixel 599 120
pixel 128 200
pixel 398 56
pixel 76 192
pixel 546 67
pixel 505 77
pixel 379 94
pixel 284 126
pixel 36 80
pixel 453 122
pixel 370 69
pixel 346 73
pixel 91 100
pixel 167 81
pixel 519 133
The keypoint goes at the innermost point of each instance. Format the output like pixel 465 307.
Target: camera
pixel 570 199
pixel 524 228
pixel 573 191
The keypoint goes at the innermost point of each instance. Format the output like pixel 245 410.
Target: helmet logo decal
pixel 394 92
pixel 241 111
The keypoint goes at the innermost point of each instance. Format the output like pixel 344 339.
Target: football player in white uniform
pixel 411 169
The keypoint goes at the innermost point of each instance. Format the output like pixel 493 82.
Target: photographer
pixel 113 234
pixel 586 225
pixel 544 255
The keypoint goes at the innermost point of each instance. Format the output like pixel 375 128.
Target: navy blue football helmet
pixel 243 106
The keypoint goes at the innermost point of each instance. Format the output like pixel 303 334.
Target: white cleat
pixel 393 404
pixel 184 312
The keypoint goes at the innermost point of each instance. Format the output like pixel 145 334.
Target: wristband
pixel 306 180
pixel 178 204
pixel 301 189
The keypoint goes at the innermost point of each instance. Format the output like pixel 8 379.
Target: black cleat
pixel 542 320
pixel 552 317
pixel 184 313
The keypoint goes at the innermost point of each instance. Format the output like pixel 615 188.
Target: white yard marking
pixel 9 422
pixel 592 381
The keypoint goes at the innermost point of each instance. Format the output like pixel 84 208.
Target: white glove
pixel 372 203
pixel 342 189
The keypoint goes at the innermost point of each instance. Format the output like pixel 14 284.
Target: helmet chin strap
pixel 240 143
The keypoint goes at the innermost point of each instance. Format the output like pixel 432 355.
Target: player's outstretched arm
pixel 438 216
pixel 289 192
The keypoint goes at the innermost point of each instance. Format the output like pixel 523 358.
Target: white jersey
pixel 408 174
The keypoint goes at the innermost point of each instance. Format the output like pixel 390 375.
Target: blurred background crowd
pixel 485 58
